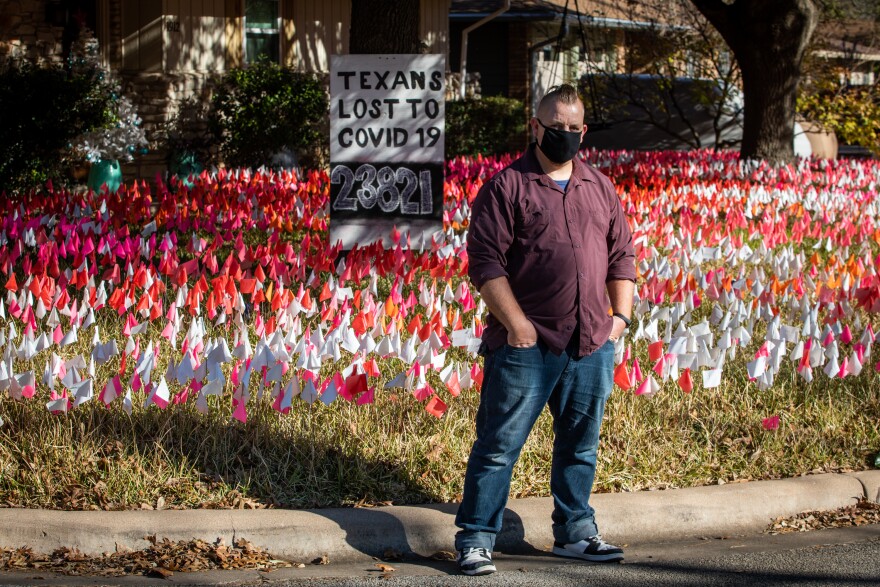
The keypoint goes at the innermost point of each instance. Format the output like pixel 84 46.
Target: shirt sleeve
pixel 621 254
pixel 490 234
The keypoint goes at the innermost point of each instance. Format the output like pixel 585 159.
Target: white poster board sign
pixel 387 118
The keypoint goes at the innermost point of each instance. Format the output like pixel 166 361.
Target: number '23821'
pixel 387 188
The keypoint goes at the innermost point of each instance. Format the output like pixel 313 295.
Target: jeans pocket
pixel 521 349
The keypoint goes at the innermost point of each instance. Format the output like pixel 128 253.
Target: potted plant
pixel 186 141
pixel 120 136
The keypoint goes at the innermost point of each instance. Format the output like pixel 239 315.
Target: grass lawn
pixel 723 247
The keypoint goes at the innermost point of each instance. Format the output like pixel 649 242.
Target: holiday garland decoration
pixel 254 304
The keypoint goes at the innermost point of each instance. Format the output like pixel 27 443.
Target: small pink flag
pixel 637 370
pixel 239 413
pixel 771 423
pixel 423 393
pixel 454 385
pixel 367 397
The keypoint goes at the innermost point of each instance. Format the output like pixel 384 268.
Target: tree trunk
pixel 769 40
pixel 384 26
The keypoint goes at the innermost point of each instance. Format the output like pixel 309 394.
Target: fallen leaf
pixel 161 557
pixel 160 573
pixel 442 555
pixel 859 514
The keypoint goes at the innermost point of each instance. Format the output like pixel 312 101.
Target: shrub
pixel 488 126
pixel 119 136
pixel 52 116
pixel 263 110
pixel 852 112
pixel 185 138
pixel 42 110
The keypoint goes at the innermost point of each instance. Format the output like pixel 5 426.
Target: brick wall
pixel 113 42
pixel 24 32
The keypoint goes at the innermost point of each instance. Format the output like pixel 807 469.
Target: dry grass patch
pixel 394 452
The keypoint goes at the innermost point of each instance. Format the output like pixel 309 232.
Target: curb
pixel 353 534
pixel 870 481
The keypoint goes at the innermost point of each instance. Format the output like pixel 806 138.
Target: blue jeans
pixel 517 384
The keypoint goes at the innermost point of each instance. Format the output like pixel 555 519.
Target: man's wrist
pixel 521 324
pixel 626 320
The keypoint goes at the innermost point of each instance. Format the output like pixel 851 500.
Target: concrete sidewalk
pixel 358 534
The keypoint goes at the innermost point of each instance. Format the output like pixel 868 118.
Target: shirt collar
pixel 532 170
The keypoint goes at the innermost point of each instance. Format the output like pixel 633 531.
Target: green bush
pixel 42 110
pixel 851 112
pixel 265 109
pixel 488 126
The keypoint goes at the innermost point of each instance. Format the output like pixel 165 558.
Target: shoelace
pixel 484 552
pixel 600 544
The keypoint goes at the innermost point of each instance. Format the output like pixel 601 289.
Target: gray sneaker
pixel 475 561
pixel 592 549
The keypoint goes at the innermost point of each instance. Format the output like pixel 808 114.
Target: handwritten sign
pixel 387 117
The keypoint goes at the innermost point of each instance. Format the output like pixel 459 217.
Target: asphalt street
pixel 835 557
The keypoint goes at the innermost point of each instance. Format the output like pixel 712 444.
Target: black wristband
pixel 626 320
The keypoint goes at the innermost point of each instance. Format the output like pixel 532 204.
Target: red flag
pixel 436 407
pixel 622 377
pixel 684 381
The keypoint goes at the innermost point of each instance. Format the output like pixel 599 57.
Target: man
pixel 550 252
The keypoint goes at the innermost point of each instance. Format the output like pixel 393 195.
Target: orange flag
pixel 622 377
pixel 436 407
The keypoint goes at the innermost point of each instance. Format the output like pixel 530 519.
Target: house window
pixel 262 31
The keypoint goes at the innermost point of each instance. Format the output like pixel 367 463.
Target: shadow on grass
pixel 99 458
pixel 106 458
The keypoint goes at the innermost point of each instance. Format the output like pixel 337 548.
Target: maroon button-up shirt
pixel 557 249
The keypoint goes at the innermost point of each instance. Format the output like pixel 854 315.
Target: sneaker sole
pixel 485 570
pixel 593 558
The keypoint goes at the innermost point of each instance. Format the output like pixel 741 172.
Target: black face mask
pixel 558 145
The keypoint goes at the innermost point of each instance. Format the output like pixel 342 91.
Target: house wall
pixel 434 26
pixel 194 37
pixel 167 52
pixel 312 31
pixel 26 33
pixel 201 38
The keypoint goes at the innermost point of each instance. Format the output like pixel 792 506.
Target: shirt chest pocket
pixel 533 229
pixel 597 217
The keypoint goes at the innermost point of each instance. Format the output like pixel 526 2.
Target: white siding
pixel 434 26
pixel 312 31
pixel 198 43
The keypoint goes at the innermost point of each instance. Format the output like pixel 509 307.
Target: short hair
pixel 565 93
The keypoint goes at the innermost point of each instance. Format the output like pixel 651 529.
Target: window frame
pixel 276 31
